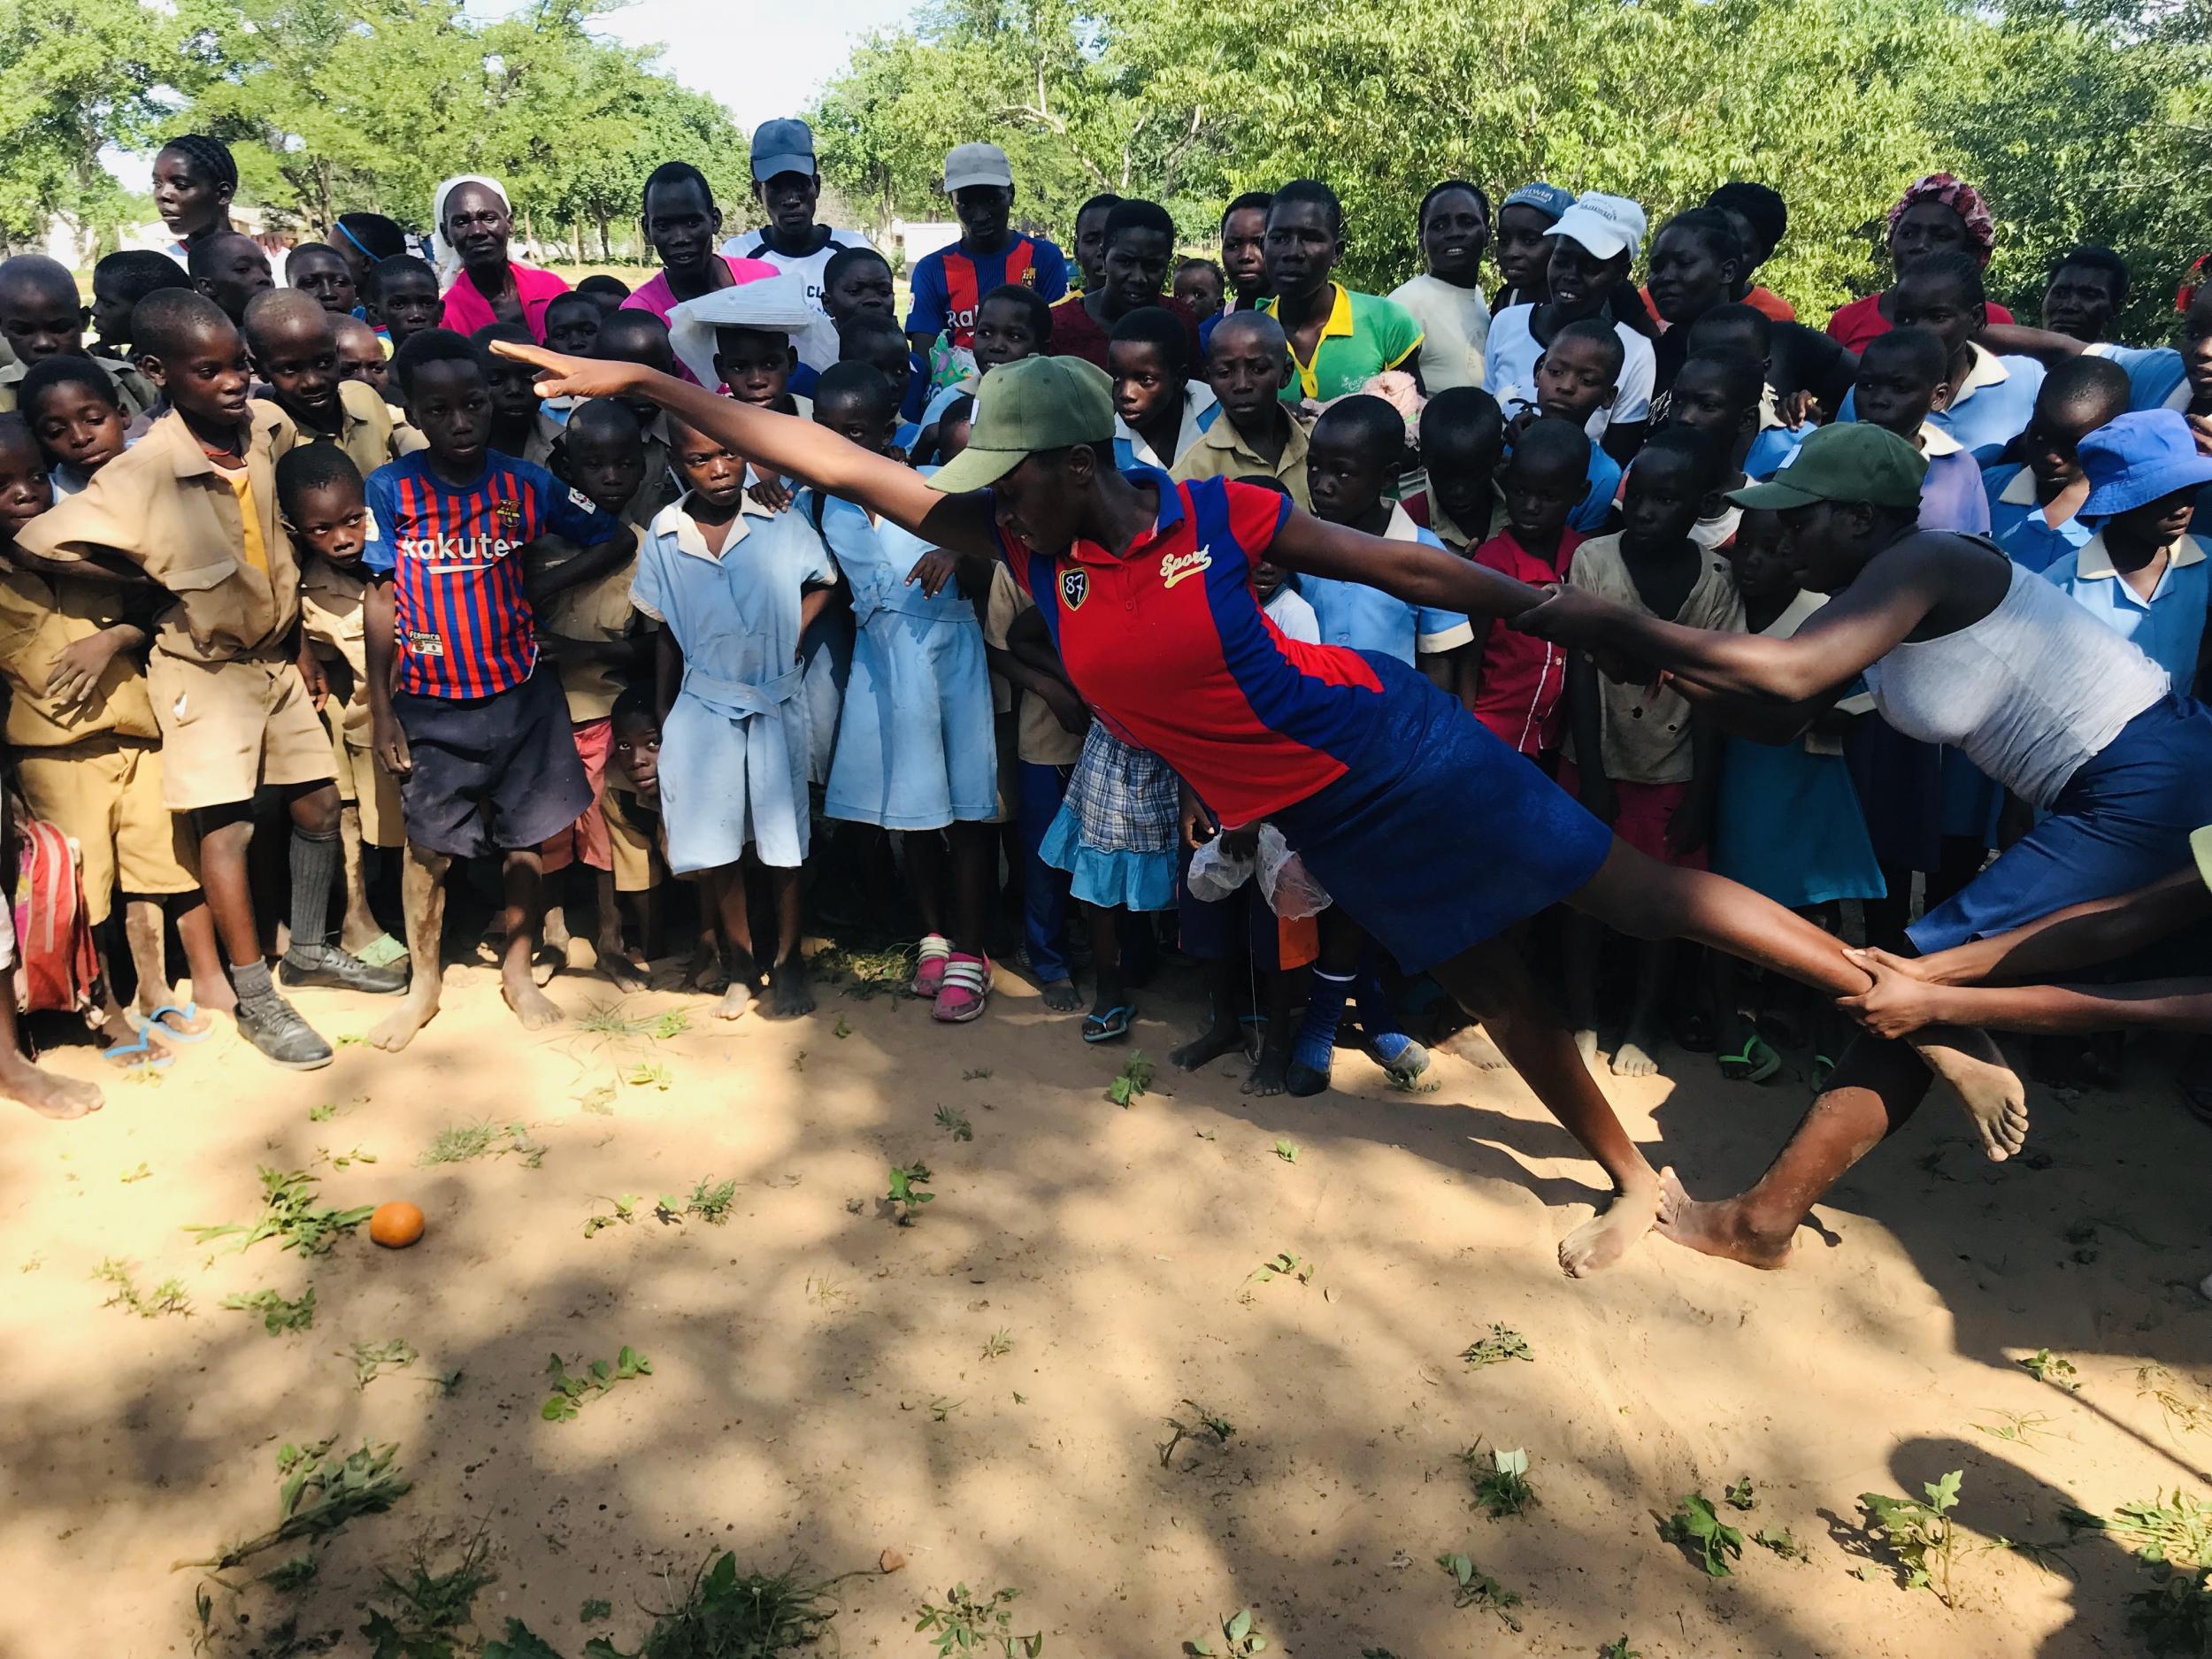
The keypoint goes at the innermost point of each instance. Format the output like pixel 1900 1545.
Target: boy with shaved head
pixel 1254 434
pixel 41 316
pixel 230 268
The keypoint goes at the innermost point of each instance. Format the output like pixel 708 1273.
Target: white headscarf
pixel 441 251
pixel 777 302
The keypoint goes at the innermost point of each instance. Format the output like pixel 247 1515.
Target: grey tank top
pixel 2029 693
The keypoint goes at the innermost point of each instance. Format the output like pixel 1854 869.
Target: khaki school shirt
pixel 598 611
pixel 133 389
pixel 1645 734
pixel 1039 737
pixel 1222 452
pixel 42 616
pixel 163 505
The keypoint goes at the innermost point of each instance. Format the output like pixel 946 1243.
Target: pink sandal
pixel 929 965
pixel 967 987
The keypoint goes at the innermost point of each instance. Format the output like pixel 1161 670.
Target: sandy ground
pixel 803 1353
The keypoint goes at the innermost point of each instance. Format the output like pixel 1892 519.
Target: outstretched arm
pixel 1898 1006
pixel 2079 936
pixel 1412 571
pixel 781 443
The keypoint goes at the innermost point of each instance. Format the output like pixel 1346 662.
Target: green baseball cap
pixel 1849 461
pixel 1037 403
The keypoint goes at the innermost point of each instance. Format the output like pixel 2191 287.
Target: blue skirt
pixel 1789 825
pixel 2122 822
pixel 1439 836
pixel 1126 879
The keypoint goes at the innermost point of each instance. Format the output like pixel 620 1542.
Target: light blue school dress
pixel 915 747
pixel 2168 626
pixel 1368 620
pixel 734 749
pixel 2017 523
pixel 1989 411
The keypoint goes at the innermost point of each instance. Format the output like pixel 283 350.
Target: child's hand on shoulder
pixel 772 495
pixel 932 570
pixel 76 671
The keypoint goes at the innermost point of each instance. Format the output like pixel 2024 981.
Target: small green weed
pixel 1282 1264
pixel 1783 1543
pixel 1741 1496
pixel 842 1029
pixel 711 1200
pixel 1135 1080
pixel 954 1124
pixel 976 1075
pixel 1698 1527
pixel 2020 1428
pixel 460 1143
pixel 1503 1487
pixel 867 973
pixel 2186 1404
pixel 290 1216
pixel 289 1575
pixel 1503 1343
pixel 371 1360
pixel 141 1173
pixel 169 1296
pixel 595 1611
pixel 1920 1532
pixel 322 1113
pixel 1211 1424
pixel 1239 1636
pixel 2045 1366
pixel 653 1075
pixel 619 1212
pixel 2175 1614
pixel 424 1611
pixel 964 1624
pixel 998 1344
pixel 2177 1530
pixel 571 1392
pixel 1473 1588
pixel 319 1495
pixel 1619 1649
pixel 907 1195
pixel 279 1316
pixel 1287 1150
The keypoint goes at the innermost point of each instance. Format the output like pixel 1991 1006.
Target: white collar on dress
pixel 2093 562
pixel 675 522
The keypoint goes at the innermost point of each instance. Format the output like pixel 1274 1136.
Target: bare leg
pixel 360 929
pixel 141 930
pixel 1223 1034
pixel 525 874
pixel 115 1027
pixel 1876 1089
pixel 789 995
pixel 1633 1057
pixel 1580 944
pixel 1270 1072
pixel 732 907
pixel 223 849
pixel 211 986
pixel 1645 899
pixel 422 896
pixel 616 960
pixel 24 1083
pixel 1491 984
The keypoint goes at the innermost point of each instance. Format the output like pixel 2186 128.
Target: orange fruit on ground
pixel 395 1225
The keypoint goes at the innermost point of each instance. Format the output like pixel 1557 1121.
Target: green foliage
pixel 2176 1530
pixel 1282 1264
pixel 2186 1404
pixel 1473 1588
pixel 1239 1637
pixel 2048 1367
pixel 1210 1424
pixel 867 973
pixel 1698 1527
pixel 1920 1533
pixel 460 1143
pixel 1503 1343
pixel 1618 1648
pixel 1135 1079
pixel 907 1195
pixel 317 1494
pixel 962 1623
pixel 290 1215
pixel 595 1611
pixel 169 1296
pixel 425 1611
pixel 571 1392
pixel 279 1316
pixel 954 1124
pixel 1503 1487
pixel 2175 1614
pixel 1739 1496
pixel 998 1344
pixel 1783 1542
pixel 371 1360
pixel 620 1212
pixel 295 1574
pixel 1287 1150
pixel 711 1200
pixel 76 76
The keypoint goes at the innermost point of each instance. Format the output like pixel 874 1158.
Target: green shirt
pixel 1365 335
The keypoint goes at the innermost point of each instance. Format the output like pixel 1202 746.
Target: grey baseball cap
pixel 782 146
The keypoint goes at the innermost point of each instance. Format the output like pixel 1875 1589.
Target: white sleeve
pixel 1640 377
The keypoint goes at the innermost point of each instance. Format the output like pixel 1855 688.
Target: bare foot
pixel 532 1007
pixel 1060 996
pixel 548 960
pixel 789 996
pixel 1207 1046
pixel 1475 1046
pixel 1271 1076
pixel 1629 1060
pixel 1606 1237
pixel 706 975
pixel 626 968
pixel 415 1010
pixel 177 1022
pixel 1716 1229
pixel 48 1095
pixel 1994 1098
pixel 1587 1046
pixel 737 1002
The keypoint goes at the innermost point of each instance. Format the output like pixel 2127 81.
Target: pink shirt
pixel 466 310
pixel 658 299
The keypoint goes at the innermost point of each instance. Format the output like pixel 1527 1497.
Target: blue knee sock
pixel 1377 1020
pixel 1315 1046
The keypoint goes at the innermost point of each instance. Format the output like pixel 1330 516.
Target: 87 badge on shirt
pixel 1075 587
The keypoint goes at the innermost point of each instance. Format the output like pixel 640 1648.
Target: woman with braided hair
pixel 194 178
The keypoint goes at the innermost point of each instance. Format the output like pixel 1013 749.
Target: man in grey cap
pixel 949 284
pixel 788 187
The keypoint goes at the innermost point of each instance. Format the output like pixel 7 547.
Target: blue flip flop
pixel 141 1053
pixel 1111 1026
pixel 169 1034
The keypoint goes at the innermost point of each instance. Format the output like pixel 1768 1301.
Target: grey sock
pixel 314 871
pixel 252 981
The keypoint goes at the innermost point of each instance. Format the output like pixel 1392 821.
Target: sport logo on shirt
pixel 578 499
pixel 1175 566
pixel 508 512
pixel 1075 587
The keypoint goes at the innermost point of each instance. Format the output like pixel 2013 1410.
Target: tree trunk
pixel 606 251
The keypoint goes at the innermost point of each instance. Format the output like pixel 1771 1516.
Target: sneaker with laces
pixel 340 970
pixel 275 1027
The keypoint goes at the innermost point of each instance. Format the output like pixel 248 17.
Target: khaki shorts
pixel 364 784
pixel 227 728
pixel 105 794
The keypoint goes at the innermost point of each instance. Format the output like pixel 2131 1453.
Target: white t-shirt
pixel 1288 610
pixel 1454 323
pixel 754 244
pixel 1510 376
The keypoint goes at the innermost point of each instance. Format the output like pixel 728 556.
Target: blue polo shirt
pixel 2155 377
pixel 2168 626
pixel 2017 523
pixel 1363 618
pixel 1989 410
pixel 1774 449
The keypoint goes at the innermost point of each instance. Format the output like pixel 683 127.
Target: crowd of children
pixel 314 566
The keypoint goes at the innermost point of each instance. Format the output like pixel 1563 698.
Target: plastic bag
pixel 1216 872
pixel 1292 892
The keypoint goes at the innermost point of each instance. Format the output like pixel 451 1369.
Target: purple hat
pixel 2139 457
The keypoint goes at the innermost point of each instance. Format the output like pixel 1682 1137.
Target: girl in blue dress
pixel 915 752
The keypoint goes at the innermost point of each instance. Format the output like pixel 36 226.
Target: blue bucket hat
pixel 1548 199
pixel 2139 457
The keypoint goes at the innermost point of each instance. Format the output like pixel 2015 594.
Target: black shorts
pixel 490 773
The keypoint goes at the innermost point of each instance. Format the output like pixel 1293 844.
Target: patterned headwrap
pixel 1962 199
